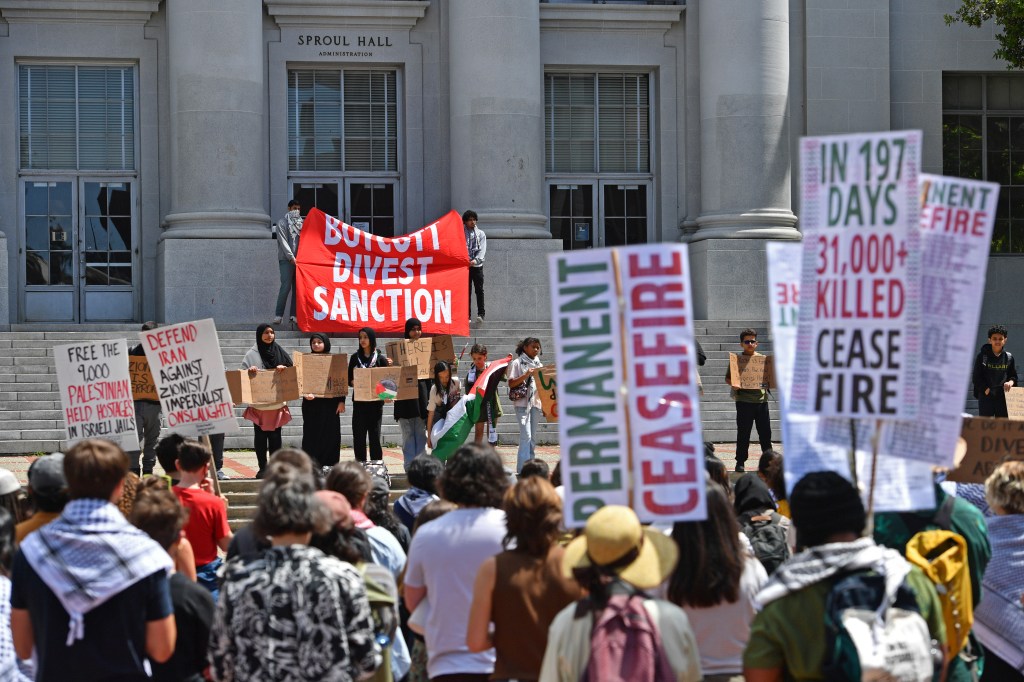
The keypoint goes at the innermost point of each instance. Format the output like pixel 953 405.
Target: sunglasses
pixel 750 342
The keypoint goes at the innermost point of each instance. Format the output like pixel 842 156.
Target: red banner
pixel 347 279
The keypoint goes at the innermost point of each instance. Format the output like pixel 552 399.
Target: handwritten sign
pixel 96 392
pixel 423 353
pixel 859 342
pixel 324 375
pixel 263 387
pixel 189 375
pixel 751 371
pixel 547 389
pixel 384 383
pixel 143 387
pixel 1015 403
pixel 990 442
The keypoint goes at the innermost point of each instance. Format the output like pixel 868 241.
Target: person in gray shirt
pixel 287 233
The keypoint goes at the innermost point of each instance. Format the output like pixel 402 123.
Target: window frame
pixel 133 65
pixel 984 113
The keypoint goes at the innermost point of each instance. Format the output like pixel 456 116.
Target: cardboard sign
pixel 96 392
pixel 263 388
pixel 547 389
pixel 1015 403
pixel 422 353
pixel 189 374
pixel 143 387
pixel 990 442
pixel 322 374
pixel 751 371
pixel 859 348
pixel 347 278
pixel 372 384
pixel 635 430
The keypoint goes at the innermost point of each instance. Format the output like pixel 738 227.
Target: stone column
pixel 497 128
pixel 209 250
pixel 745 154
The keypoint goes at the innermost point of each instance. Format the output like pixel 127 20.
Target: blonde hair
pixel 1005 488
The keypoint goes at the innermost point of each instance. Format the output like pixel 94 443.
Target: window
pixel 983 138
pixel 76 117
pixel 342 120
pixel 597 123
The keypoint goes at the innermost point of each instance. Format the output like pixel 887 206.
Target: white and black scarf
pixel 89 554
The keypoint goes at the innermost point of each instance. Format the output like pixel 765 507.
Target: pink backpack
pixel 625 645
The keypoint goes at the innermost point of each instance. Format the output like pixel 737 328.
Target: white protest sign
pixel 858 346
pixel 96 392
pixel 189 375
pixel 641 447
pixel 957 217
pixel 662 394
pixel 898 485
pixel 588 344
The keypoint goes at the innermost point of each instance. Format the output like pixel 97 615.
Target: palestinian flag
pixel 448 435
pixel 386 389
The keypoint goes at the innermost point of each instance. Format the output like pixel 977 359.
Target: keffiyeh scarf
pixel 824 561
pixel 90 554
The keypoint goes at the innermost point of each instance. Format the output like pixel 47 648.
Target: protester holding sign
pixel 751 408
pixel 366 414
pixel 995 373
pixel 267 419
pixel 411 414
pixel 321 420
pixel 522 391
pixel 147 422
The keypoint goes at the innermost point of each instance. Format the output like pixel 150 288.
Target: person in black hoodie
pixel 411 414
pixel 366 414
pixel 995 373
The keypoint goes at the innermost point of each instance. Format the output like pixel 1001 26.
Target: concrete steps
pixel 31 419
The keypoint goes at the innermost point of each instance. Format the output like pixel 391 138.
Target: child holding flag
pixel 444 394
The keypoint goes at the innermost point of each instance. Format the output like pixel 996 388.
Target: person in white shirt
pixel 446 554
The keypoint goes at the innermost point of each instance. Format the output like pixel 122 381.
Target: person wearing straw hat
pixel 615 560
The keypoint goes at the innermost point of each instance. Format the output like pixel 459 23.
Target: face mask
pixel 293 214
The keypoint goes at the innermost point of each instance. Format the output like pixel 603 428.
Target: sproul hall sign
pixel 334 44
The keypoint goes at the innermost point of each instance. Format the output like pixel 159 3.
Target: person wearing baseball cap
pixel 47 491
pixel 615 560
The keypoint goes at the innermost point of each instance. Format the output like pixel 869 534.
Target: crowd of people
pixel 471 575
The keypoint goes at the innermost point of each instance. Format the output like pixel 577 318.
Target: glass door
pixel 572 215
pixel 315 194
pixel 50 266
pixel 625 213
pixel 79 250
pixel 107 251
pixel 371 206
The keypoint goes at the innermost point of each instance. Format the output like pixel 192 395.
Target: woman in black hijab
pixel 366 414
pixel 267 419
pixel 321 417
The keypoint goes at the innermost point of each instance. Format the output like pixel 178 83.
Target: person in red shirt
pixel 207 528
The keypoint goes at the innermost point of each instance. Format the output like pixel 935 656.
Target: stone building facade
pixel 146 146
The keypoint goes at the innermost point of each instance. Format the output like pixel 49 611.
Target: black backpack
pixel 768 539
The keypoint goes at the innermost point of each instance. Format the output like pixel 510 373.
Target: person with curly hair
pixel 446 555
pixel 522 589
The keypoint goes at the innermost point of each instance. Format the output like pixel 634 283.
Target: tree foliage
pixel 1008 15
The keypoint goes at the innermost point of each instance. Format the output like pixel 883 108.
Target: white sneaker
pixel 293 320
pixel 277 320
pixel 479 321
